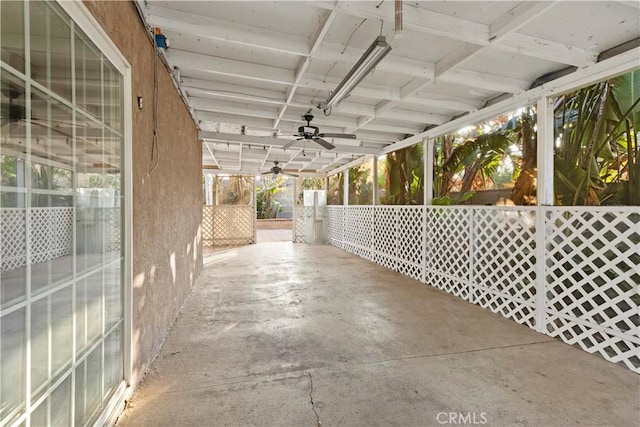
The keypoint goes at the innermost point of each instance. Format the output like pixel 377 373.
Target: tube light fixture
pixel 372 57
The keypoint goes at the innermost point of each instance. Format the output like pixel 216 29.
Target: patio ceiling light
pixel 369 60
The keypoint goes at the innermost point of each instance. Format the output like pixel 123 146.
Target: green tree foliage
pixel 404 177
pixel 361 185
pixel 232 190
pixel 597 155
pixel 498 154
pixel 266 205
pixel 335 191
pixel 309 183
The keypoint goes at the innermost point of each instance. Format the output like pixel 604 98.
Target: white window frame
pixel 85 20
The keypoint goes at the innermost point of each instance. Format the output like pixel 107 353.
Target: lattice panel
pixel 448 249
pixel 207 225
pixel 299 215
pixel 13 245
pixel 593 277
pixel 113 230
pixel 410 245
pixel 228 225
pixel 385 236
pixel 358 230
pixel 51 232
pixel 306 231
pixel 335 225
pixel 504 273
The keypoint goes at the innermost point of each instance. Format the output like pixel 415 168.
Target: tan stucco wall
pixel 167 203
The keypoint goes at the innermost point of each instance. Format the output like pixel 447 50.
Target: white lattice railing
pixel 51 233
pixel 306 229
pixel 299 218
pixel 571 273
pixel 224 225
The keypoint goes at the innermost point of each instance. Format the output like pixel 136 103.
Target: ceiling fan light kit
pixel 369 60
pixel 312 133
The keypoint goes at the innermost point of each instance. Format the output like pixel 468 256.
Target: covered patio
pixel 284 334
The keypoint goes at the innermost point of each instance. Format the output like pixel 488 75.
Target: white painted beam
pixel 208 88
pixel 229 67
pixel 203 88
pixel 401 130
pixel 546 49
pixel 215 106
pixel 415 19
pixel 328 20
pixel 253 37
pixel 518 17
pixel 413 116
pixel 236 119
pixel 485 81
pixel 456 58
pixel 224 31
pixel 622 63
pixel 392 63
pixel 451 27
pixel 279 142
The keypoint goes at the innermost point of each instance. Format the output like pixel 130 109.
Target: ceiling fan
pixel 277 170
pixel 312 133
pixel 16 113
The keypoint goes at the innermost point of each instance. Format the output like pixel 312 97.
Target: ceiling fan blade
pixel 289 144
pixel 324 143
pixel 337 135
pixel 289 174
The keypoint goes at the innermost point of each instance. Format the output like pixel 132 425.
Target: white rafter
pixel 328 20
pixel 260 74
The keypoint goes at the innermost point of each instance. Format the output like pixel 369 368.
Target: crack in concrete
pixel 313 406
pixel 454 353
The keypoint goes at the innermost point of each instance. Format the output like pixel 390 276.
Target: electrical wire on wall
pixel 154 143
pixel 155 153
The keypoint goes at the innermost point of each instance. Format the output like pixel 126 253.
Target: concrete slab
pixel 283 334
pixel 274 235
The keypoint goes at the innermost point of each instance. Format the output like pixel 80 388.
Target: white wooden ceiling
pixel 250 69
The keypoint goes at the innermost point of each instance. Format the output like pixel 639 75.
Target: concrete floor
pixel 274 235
pixel 283 334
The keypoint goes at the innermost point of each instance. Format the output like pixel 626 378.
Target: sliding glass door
pixel 61 220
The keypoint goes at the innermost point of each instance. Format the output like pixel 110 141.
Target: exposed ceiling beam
pixel 229 67
pixel 211 153
pixel 310 162
pixel 277 41
pixel 200 104
pixel 339 161
pixel 413 116
pixel 228 118
pixel 518 17
pixel 224 31
pixel 548 50
pixel 485 81
pixel 451 27
pixel 394 64
pixel 279 142
pixel 415 19
pixel 208 88
pixel 324 29
pixel 618 64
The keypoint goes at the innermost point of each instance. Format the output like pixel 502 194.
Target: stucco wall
pixel 167 202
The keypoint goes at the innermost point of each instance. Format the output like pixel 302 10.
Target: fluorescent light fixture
pixel 372 57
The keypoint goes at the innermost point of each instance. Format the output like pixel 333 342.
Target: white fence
pixel 571 273
pixel 228 225
pixel 51 232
